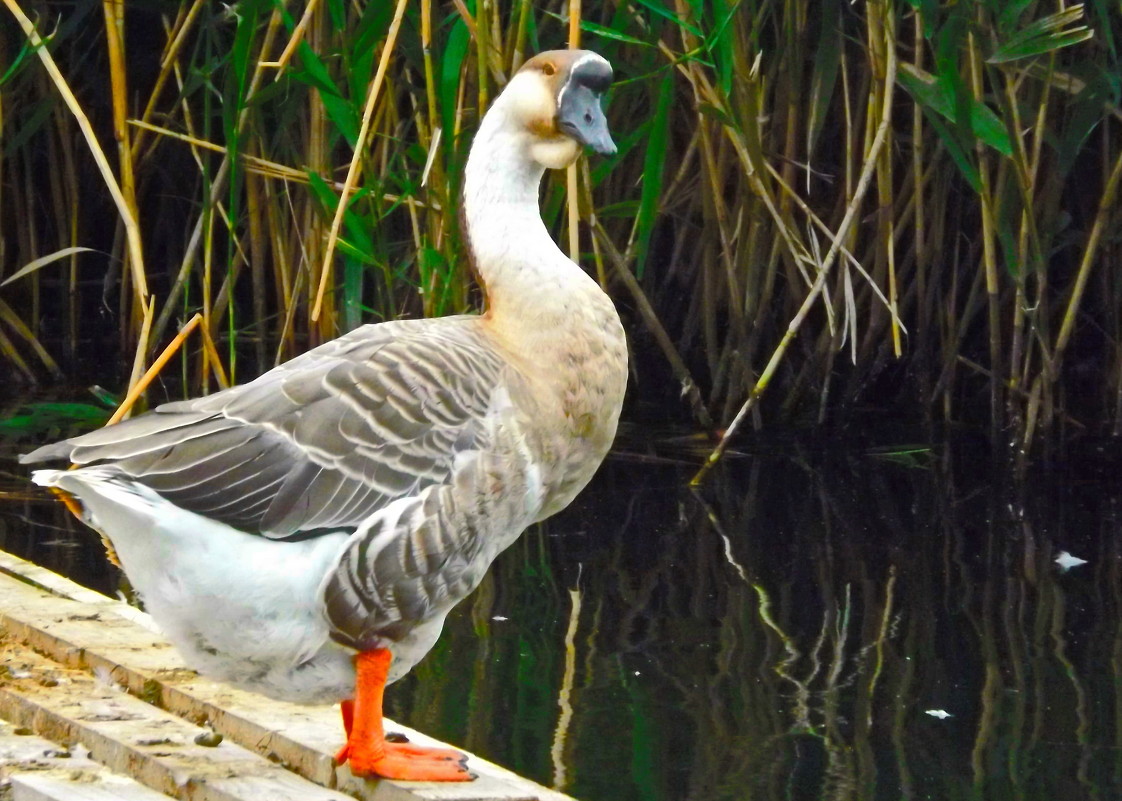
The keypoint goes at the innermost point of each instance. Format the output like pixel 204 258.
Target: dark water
pixel 783 635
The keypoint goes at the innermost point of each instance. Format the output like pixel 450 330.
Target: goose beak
pixel 579 116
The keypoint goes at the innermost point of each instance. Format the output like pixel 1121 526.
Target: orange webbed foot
pixel 402 750
pixel 368 751
pixel 426 752
pixel 408 762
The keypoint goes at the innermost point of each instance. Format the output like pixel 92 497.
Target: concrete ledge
pixel 74 648
pixel 35 769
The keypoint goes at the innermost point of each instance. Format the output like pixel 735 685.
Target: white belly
pixel 245 610
pixel 240 608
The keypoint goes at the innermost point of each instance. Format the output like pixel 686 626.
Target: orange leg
pixel 367 750
pixel 348 710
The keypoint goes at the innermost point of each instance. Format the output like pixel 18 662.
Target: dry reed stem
pixel 8 348
pixel 216 186
pixel 271 169
pixel 989 244
pixel 114 11
pixel 482 55
pixel 316 152
pixel 213 359
pixel 149 376
pixel 650 319
pixel 138 356
pixel 817 222
pixel 360 147
pixel 871 157
pixel 598 257
pixel 167 62
pixel 919 231
pixel 293 41
pixel 13 319
pixel 37 264
pixel 1107 205
pixel 132 230
pixel 208 272
pixel 571 193
pixel 885 219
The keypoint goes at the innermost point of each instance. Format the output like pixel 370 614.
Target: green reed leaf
pixel 1084 114
pixel 657 8
pixel 930 11
pixel 33 121
pixel 451 64
pixel 43 261
pixel 721 45
pixel 34 419
pixel 1046 35
pixel 337 12
pixel 343 113
pixel 824 73
pixel 957 150
pixel 241 67
pixel 938 95
pixel 1008 13
pixel 358 242
pixel 21 58
pixel 609 33
pixel 363 45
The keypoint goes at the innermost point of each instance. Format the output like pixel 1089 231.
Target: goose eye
pixel 548 68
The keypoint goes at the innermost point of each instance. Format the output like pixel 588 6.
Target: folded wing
pixel 320 442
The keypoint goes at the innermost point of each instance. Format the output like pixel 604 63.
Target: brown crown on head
pixel 561 68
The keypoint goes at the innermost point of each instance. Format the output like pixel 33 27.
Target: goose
pixel 305 535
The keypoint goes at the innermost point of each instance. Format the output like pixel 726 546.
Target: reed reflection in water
pixel 789 635
pixel 785 635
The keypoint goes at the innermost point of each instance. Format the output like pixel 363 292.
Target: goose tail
pixel 103 498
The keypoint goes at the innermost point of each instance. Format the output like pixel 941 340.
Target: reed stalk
pixel 793 327
pixel 352 172
pixel 766 225
pixel 111 184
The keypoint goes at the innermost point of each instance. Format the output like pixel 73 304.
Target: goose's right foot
pixel 367 751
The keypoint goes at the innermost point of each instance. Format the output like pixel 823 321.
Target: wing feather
pixel 322 441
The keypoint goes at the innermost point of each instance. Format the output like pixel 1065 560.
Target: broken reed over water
pixel 927 193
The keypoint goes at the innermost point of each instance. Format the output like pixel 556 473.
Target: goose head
pixel 548 112
pixel 554 101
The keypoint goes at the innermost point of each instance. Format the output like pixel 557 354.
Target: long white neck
pixel 518 261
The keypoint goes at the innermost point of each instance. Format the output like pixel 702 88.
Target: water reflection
pixel 786 635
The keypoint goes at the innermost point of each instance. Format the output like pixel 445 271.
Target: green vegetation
pixel 37 422
pixel 905 205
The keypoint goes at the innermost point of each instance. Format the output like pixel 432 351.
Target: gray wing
pixel 320 442
pixel 409 564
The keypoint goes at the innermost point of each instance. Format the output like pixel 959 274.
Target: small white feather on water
pixel 942 714
pixel 1066 561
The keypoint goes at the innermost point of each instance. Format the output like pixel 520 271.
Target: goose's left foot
pixel 367 749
